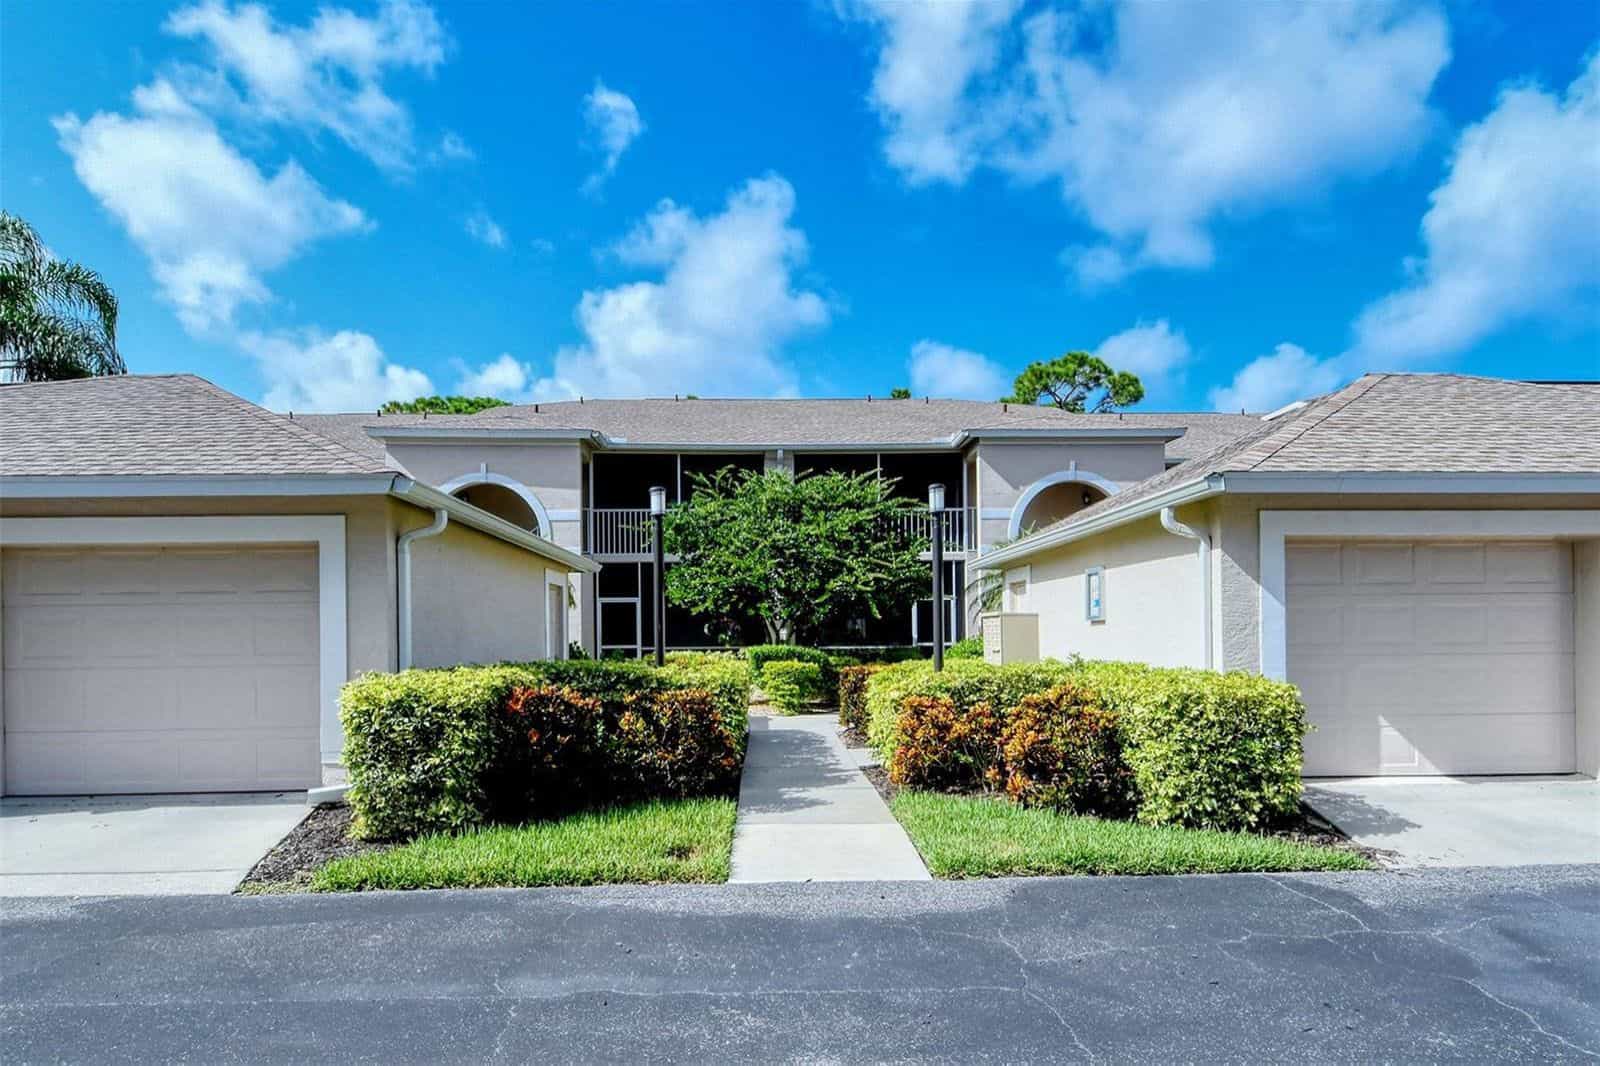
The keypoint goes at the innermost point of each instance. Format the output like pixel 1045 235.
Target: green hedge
pixel 759 656
pixel 964 682
pixel 965 648
pixel 792 687
pixel 853 696
pixel 1205 750
pixel 436 750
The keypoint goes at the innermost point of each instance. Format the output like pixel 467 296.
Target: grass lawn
pixel 976 836
pixel 668 840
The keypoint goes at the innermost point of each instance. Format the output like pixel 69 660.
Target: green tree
pixel 1073 380
pixel 58 320
pixel 900 394
pixel 442 405
pixel 798 553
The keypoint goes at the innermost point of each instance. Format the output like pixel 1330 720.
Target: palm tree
pixel 58 320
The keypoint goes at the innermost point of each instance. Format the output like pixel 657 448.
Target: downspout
pixel 1169 522
pixel 441 518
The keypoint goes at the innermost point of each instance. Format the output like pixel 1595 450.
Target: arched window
pixel 502 497
pixel 1057 496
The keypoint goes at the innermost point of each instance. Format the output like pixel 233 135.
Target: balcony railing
pixel 626 530
pixel 958 523
pixel 618 531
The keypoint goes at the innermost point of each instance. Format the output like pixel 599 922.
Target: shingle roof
pixel 162 425
pixel 1402 424
pixel 819 423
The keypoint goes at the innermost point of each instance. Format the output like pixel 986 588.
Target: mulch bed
pixel 853 738
pixel 323 835
pixel 1306 827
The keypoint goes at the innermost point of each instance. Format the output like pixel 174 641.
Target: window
pixel 1094 594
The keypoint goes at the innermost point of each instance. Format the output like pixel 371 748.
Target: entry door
pixel 620 625
pixel 1433 657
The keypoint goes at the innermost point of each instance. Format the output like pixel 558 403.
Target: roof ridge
pixel 1311 418
pixel 309 436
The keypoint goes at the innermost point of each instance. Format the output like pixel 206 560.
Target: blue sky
pixel 327 207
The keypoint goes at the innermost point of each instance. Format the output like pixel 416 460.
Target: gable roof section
pixel 174 425
pixel 1384 425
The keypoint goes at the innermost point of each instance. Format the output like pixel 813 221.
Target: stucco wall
pixel 476 599
pixel 553 471
pixel 1006 470
pixel 1586 644
pixel 1152 594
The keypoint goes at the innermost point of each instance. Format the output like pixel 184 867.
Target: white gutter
pixel 1169 522
pixel 420 433
pixel 1189 492
pixel 402 552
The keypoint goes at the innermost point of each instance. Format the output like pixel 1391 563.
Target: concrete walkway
pixel 807 813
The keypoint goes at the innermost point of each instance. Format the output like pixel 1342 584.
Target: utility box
pixel 1010 638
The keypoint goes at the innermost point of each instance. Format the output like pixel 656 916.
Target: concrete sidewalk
pixel 807 813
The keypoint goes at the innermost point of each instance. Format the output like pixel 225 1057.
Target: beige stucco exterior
pixel 1152 594
pixel 1586 647
pixel 1004 471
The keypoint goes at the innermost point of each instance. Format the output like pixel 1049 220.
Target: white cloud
pixel 955 373
pixel 1154 351
pixel 208 218
pixel 543 246
pixel 505 378
pixel 1156 119
pixel 931 51
pixel 313 371
pixel 716 321
pixel 1267 383
pixel 1509 237
pixel 326 75
pixel 484 229
pixel 1511 233
pixel 613 124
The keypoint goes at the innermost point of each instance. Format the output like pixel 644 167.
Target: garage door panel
pixel 161 670
pixel 1466 669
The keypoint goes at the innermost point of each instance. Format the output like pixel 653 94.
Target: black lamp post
pixel 658 515
pixel 936 513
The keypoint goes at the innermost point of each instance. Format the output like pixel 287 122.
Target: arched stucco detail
pixel 1060 477
pixel 483 476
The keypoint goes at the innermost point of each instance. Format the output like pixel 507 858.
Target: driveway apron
pixel 808 813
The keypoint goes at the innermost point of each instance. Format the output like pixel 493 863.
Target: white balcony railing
pixel 626 530
pixel 958 524
pixel 618 531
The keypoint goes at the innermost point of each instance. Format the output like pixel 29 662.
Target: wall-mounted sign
pixel 1094 594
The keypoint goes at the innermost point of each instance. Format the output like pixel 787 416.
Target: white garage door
pixel 1433 657
pixel 160 669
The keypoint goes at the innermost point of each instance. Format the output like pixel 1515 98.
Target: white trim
pixel 1280 526
pixel 558 579
pixel 1061 477
pixel 327 532
pixel 139 485
pixel 484 476
pixel 989 514
pixel 1324 483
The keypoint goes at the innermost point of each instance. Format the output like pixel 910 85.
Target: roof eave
pixel 1419 483
pixel 1202 488
pixel 94 486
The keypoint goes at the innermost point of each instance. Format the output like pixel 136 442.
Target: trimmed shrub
pixel 965 681
pixel 853 696
pixel 759 655
pixel 1207 750
pixel 965 648
pixel 674 743
pixel 793 686
pixel 444 750
pixel 944 746
pixel 1063 749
